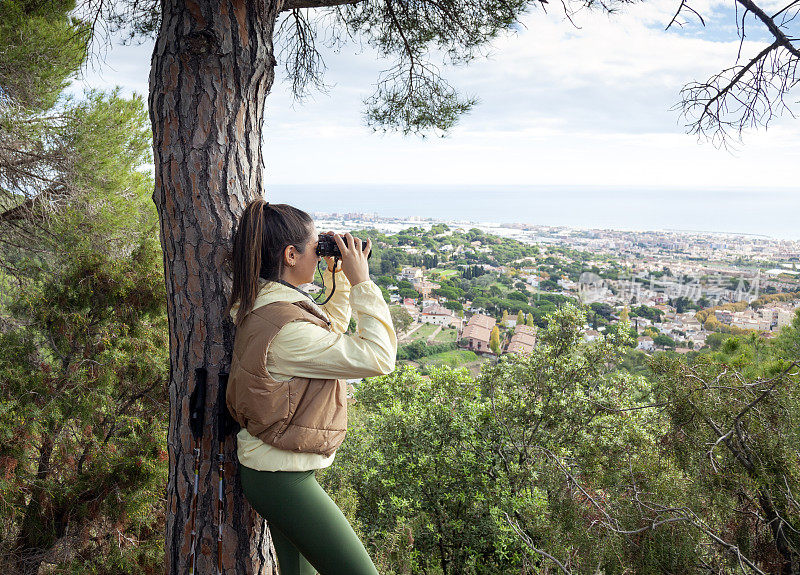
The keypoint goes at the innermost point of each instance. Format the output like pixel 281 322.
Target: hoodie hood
pixel 270 291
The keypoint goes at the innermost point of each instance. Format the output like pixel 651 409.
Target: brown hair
pixel 258 246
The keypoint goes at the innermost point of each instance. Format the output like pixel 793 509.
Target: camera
pixel 328 247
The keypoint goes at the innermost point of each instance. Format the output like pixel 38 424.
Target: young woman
pixel 286 386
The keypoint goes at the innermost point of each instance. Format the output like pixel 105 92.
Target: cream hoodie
pixel 304 349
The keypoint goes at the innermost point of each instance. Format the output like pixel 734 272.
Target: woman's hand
pixel 329 263
pixel 354 257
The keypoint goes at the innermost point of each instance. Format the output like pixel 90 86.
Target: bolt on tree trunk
pixel 212 68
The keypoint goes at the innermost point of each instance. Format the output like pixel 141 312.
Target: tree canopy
pixel 83 330
pixel 41 49
pixel 84 361
pixel 565 461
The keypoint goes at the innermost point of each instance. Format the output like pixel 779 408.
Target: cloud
pixel 558 105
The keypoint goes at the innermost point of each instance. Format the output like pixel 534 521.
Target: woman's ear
pixel 289 255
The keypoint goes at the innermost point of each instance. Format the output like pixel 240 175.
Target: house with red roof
pixel 477 333
pixel 523 340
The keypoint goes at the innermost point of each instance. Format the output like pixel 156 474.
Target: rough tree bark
pixel 28 545
pixel 212 68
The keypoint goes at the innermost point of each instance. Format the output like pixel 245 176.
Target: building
pixel 667 327
pixel 668 311
pixel 691 325
pixel 410 274
pixel 438 315
pixel 724 315
pixel 751 323
pixel 783 317
pixel 531 280
pixel 567 283
pixel 510 321
pixel 523 340
pixel 411 307
pixel 645 342
pixel 591 335
pixel 425 288
pixel 477 333
pixel 699 340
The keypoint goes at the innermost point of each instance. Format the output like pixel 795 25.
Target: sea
pixel 773 213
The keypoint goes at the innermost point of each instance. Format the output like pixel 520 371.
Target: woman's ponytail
pixel 263 233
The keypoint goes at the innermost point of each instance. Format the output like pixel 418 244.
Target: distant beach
pixel 772 213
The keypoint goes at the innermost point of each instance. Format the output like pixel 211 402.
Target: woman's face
pixel 305 263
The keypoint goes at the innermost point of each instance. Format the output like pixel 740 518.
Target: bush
pixel 419 348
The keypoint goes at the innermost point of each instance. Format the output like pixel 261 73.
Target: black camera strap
pixel 333 275
pixel 308 295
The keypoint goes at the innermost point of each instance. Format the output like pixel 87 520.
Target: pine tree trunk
pixel 35 537
pixel 212 68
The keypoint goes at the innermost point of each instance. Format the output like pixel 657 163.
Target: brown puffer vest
pixel 302 414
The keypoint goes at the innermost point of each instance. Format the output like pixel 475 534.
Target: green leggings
pixel 308 530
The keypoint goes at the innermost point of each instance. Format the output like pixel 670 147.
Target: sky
pixel 559 105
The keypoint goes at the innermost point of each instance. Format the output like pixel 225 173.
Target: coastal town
pixel 462 292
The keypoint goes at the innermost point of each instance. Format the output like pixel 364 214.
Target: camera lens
pixel 327 246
